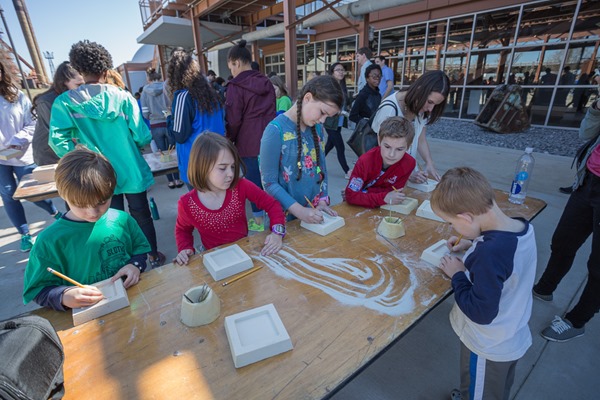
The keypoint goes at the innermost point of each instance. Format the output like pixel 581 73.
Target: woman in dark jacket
pixel 249 107
pixel 368 98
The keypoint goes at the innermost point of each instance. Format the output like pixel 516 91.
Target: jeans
pixel 253 175
pixel 580 218
pixel 14 208
pixel 140 211
pixel 163 141
pixel 334 139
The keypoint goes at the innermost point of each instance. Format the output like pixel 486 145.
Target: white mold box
pixel 405 207
pixel 433 254
pixel 329 225
pixel 423 187
pixel 256 334
pixel 115 299
pixel 44 173
pixel 425 211
pixel 226 262
pixel 7 154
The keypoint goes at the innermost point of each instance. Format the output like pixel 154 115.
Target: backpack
pixel 364 137
pixel 32 359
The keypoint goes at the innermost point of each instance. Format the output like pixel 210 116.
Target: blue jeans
pixel 163 141
pixel 253 175
pixel 140 211
pixel 14 208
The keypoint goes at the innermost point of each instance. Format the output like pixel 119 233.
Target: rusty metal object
pixel 504 112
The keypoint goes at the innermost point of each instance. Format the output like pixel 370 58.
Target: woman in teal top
pixel 292 159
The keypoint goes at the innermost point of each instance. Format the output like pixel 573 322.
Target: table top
pixel 32 190
pixel 343 299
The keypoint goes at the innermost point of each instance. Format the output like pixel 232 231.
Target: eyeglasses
pixel 339 70
pixel 376 77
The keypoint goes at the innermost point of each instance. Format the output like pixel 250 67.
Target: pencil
pixel 395 190
pixel 66 278
pixel 240 276
pixel 457 240
pixel 310 202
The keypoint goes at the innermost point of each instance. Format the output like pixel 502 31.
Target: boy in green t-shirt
pixel 90 243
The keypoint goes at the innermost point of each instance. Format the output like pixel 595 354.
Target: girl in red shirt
pixel 216 207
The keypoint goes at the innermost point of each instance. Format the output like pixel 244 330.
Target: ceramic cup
pixel 197 314
pixel 391 227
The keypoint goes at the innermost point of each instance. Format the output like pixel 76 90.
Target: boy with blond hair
pixel 380 174
pixel 492 283
pixel 90 243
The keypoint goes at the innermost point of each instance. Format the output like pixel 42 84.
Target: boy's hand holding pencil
pixel 79 295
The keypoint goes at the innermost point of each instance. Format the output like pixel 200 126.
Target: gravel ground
pixel 561 142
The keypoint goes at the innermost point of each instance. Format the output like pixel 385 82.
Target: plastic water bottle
pixel 518 190
pixel 154 209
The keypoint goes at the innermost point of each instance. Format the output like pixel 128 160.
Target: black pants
pixel 334 139
pixel 140 211
pixel 580 218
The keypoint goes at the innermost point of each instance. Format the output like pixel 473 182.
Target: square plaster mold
pixel 7 154
pixel 115 299
pixel 329 225
pixel 433 254
pixel 405 207
pixel 256 334
pixel 226 262
pixel 44 173
pixel 425 211
pixel 423 187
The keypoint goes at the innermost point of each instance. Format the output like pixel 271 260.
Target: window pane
pixel 586 25
pixel 435 45
pixel 415 50
pixel 546 22
pixel 346 52
pixel 392 47
pixel 459 37
pixel 488 64
pixel 495 29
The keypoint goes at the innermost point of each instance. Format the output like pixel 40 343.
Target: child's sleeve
pixel 357 106
pixel 51 297
pixel 264 201
pixel 62 129
pixel 184 229
pixel 354 190
pixel 25 134
pixel 36 277
pixel 270 153
pixel 480 300
pixel 183 113
pixel 139 242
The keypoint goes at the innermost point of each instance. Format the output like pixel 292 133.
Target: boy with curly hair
pixel 90 243
pixel 107 119
pixel 492 283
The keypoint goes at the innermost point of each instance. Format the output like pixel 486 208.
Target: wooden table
pixel 32 190
pixel 343 299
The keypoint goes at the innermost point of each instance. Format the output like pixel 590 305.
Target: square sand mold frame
pixel 115 299
pixel 425 211
pixel 255 335
pixel 405 207
pixel 423 187
pixel 226 262
pixel 329 225
pixel 434 253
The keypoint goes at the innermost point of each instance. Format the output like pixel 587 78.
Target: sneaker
pixel 543 297
pixel 347 175
pixel 157 261
pixel 26 243
pixel 254 227
pixel 455 395
pixel 566 189
pixel 57 215
pixel 561 330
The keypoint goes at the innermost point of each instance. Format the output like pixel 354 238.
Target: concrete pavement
pixel 424 363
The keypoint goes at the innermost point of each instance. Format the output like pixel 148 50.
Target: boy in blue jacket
pixel 492 283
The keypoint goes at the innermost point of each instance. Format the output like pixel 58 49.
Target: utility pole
pixel 15 53
pixel 48 55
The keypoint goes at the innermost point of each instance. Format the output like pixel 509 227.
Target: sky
pixel 58 24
